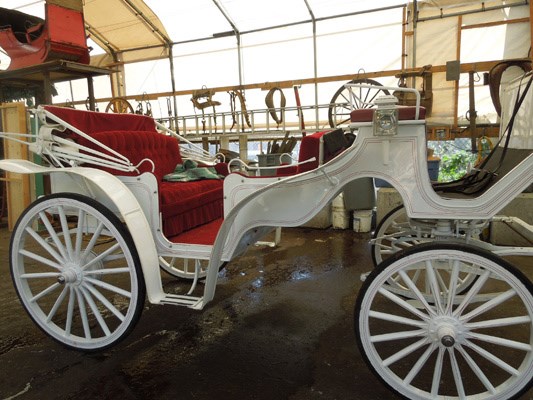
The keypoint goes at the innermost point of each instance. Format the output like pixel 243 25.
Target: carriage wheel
pixel 340 105
pixel 119 105
pixel 76 271
pixel 447 345
pixel 183 268
pixel 394 234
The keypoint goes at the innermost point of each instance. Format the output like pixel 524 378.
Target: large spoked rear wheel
pixel 443 344
pixel 340 105
pixel 76 271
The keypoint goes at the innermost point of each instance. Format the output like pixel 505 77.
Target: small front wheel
pixel 448 344
pixel 77 271
pixel 392 234
pixel 184 268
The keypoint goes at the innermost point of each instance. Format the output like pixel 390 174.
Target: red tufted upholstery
pixel 138 145
pixel 309 148
pixel 184 205
pixel 91 122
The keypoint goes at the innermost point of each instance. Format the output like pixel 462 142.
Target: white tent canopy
pixel 127 30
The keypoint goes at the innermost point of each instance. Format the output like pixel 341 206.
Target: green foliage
pixel 453 166
pixel 455 158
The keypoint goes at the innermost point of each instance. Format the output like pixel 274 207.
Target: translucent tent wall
pixel 257 44
pixel 265 54
pixel 471 34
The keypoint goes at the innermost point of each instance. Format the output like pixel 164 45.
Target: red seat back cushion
pixel 309 148
pixel 138 145
pixel 90 122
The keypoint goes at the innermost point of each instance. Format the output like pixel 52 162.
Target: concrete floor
pixel 280 327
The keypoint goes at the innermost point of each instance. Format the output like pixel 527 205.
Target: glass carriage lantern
pixel 385 119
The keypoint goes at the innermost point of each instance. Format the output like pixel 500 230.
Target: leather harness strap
pixel 269 101
pixel 495 77
pixel 203 98
pixel 242 100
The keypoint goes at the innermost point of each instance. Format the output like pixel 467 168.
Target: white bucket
pixel 362 220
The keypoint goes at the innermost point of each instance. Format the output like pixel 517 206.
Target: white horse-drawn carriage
pixel 445 318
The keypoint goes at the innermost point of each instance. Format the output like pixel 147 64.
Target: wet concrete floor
pixel 280 327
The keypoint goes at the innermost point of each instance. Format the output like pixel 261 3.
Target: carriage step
pixel 181 300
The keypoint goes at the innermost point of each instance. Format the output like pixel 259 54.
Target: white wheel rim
pixel 394 235
pixel 77 280
pixel 469 349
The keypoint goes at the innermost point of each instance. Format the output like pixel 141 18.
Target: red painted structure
pixel 29 40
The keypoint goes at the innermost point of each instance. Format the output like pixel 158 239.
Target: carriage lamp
pixel 386 116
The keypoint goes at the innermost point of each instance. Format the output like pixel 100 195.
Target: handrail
pixel 248 167
pixel 261 122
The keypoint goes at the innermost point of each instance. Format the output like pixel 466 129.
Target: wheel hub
pixel 448 331
pixel 70 275
pixel 74 271
pixel 446 336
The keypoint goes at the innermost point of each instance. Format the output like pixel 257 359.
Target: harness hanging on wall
pixel 144 104
pixel 495 77
pixel 238 94
pixel 269 101
pixel 203 98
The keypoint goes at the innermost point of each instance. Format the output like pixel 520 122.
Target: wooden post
pixel 18 185
pixel 456 83
pixel 90 87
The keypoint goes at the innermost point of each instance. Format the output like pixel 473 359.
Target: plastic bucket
pixel 362 220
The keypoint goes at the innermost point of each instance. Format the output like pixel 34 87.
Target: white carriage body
pixel 254 206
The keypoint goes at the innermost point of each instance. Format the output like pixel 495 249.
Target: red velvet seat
pixel 184 205
pixel 309 148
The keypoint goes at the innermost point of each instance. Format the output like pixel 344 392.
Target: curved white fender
pixel 127 205
pixel 263 206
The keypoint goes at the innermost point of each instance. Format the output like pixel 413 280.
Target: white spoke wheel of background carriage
pixel 340 105
pixel 447 345
pixel 184 268
pixel 76 271
pixel 394 234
